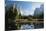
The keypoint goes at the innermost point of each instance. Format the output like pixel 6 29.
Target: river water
pixel 31 26
pixel 26 26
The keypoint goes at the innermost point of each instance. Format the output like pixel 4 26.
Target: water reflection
pixel 27 26
pixel 31 26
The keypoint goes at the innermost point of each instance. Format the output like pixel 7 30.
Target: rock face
pixel 39 11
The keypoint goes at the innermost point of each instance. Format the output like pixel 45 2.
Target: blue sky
pixel 26 8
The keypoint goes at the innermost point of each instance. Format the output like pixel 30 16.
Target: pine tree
pixel 9 18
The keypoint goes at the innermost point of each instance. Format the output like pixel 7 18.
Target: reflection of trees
pixel 10 17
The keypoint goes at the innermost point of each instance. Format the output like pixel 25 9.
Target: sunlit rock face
pixel 39 10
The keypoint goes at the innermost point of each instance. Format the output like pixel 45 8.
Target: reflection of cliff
pixel 39 11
